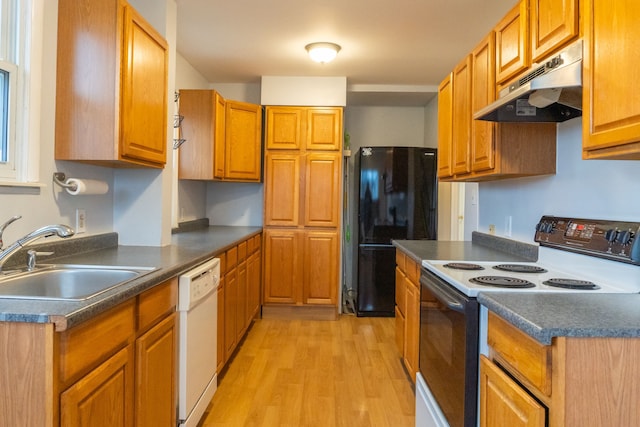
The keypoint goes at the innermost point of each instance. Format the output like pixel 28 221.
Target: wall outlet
pixel 492 229
pixel 81 221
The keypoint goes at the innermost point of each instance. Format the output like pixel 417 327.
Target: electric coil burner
pixel 463 266
pixel 571 284
pixel 502 281
pixel 520 268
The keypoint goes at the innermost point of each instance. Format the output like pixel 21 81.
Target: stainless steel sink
pixel 67 282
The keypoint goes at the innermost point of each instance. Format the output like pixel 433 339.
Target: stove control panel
pixel 615 240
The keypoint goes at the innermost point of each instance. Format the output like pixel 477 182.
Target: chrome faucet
pixel 60 230
pixel 5 225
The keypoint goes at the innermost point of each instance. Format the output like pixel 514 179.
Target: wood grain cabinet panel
pixel 282 266
pixel 321 258
pixel 512 43
pixel 284 128
pixel 554 23
pixel 324 129
pixel 461 136
pixel 112 72
pixel 322 189
pixel 610 116
pixel 104 397
pixel 445 127
pixel 483 93
pixel 504 403
pixel 282 189
pixel 243 132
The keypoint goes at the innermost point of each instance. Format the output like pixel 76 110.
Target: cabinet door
pixel 242 141
pixel 221 343
pixel 320 267
pixel 143 108
pixel 553 24
pixel 199 128
pixel 219 135
pixel 412 328
pixel 254 285
pixel 322 189
pixel 282 189
pixel 155 375
pixel 445 127
pixel 282 267
pixel 503 402
pixel 512 43
pixel 284 128
pixel 483 90
pixel 324 129
pixel 242 303
pixel 230 304
pixel 400 326
pixel 103 397
pixel 461 136
pixel 610 117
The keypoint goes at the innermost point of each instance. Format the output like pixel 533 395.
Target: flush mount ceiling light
pixel 323 51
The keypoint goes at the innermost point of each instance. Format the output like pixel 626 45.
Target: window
pixel 20 50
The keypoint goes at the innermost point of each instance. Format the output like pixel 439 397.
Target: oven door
pixel 449 349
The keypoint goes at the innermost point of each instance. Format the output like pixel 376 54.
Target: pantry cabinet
pixel 408 311
pixel 611 114
pixel 112 73
pixel 303 187
pixel 222 138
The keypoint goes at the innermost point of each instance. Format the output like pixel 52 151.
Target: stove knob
pixel 623 237
pixel 610 235
pixel 548 227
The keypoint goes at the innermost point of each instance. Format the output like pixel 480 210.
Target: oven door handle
pixel 447 298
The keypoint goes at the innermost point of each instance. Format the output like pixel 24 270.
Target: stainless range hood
pixel 550 92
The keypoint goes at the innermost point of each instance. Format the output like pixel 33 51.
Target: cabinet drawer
pixel 400 260
pixel 155 303
pixel 412 271
pixel 401 294
pixel 520 354
pixel 242 251
pixel 232 259
pixel 88 344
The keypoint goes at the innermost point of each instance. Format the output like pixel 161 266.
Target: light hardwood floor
pixel 315 373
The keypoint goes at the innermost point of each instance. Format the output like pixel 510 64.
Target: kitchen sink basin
pixel 67 282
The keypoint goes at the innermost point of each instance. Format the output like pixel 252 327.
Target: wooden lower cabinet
pixel 134 386
pixel 503 402
pixel 408 312
pixel 155 384
pixel 301 267
pixel 238 295
pixel 104 397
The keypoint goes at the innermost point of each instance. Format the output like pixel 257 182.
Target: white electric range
pixel 575 255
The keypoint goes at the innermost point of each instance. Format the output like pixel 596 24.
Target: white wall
pixel 598 189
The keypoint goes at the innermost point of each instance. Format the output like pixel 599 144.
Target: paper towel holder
pixel 60 178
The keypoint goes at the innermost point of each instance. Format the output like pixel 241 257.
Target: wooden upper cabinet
pixel 512 43
pixel 611 80
pixel 324 129
pixel 201 156
pixel 553 24
pixel 243 130
pixel 112 73
pixel 322 189
pixel 445 127
pixel 284 128
pixel 282 189
pixel 222 138
pixel 483 90
pixel 461 135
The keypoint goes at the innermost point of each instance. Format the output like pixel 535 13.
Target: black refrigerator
pixel 397 188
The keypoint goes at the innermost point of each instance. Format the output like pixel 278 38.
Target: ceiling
pixel 394 52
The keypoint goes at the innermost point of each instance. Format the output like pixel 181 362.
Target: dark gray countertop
pixel 544 315
pixel 186 250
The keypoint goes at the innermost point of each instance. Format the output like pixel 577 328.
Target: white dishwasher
pixel 197 358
